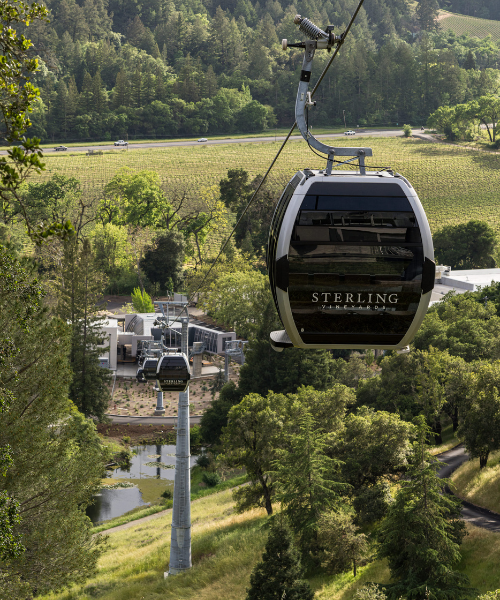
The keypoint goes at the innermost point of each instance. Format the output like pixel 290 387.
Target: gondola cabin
pixel 147 371
pixel 350 261
pixel 173 373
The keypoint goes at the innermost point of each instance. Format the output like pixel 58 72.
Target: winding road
pixel 475 515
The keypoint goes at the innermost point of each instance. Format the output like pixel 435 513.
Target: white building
pixel 448 280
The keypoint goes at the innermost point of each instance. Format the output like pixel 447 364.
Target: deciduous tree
pixel 466 245
pixel 480 415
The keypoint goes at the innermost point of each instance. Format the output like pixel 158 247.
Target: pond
pixel 152 471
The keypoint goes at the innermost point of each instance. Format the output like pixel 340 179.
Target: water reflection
pixel 113 503
pixel 142 465
pixel 148 462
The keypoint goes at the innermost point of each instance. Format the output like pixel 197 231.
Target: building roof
pixel 463 281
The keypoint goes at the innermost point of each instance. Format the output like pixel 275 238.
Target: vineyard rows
pixel 462 24
pixel 454 184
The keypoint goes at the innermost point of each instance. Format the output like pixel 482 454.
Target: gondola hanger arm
pixel 319 39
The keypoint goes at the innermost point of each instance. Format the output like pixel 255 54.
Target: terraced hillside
pixel 461 24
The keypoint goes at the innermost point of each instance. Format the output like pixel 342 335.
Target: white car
pixel 60 148
pixel 350 132
pixel 121 143
pixel 203 140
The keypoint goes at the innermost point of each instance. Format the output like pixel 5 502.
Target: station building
pixel 126 331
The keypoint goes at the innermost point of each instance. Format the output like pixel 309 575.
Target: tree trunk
pixel 454 418
pixel 267 495
pixel 437 429
pixel 483 459
pixel 354 567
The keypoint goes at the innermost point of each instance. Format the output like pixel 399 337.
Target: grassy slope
pixel 482 487
pixel 225 548
pixel 461 24
pixel 454 184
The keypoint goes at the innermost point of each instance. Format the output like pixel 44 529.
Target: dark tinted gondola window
pixel 355 269
pixel 274 232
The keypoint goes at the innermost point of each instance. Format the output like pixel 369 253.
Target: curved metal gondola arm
pixel 320 40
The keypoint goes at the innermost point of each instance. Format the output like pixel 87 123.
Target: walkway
pixel 480 517
pixel 123 420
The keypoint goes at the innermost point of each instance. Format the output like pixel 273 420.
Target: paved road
pixel 480 517
pixel 279 138
pixel 195 420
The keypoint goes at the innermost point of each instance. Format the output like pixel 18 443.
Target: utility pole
pixel 180 546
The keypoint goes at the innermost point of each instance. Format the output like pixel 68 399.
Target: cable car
pixel 147 371
pixel 350 255
pixel 173 373
pixel 350 261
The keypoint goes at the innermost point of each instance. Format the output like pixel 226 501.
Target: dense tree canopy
pixel 466 245
pixel 57 457
pixel 162 69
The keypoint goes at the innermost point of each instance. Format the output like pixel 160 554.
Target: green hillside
pixel 462 24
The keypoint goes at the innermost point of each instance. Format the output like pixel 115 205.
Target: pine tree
pixel 80 288
pixel 87 95
pixel 160 88
pixel 279 575
pixel 100 95
pixel 422 533
pixel 136 87
pixel 61 107
pixel 73 99
pixel 121 91
pixel 209 85
pixel 426 13
pixel 305 480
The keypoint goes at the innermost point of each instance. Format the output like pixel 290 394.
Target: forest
pixel 167 68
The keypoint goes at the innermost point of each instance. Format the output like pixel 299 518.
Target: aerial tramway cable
pixel 350 254
pixel 339 42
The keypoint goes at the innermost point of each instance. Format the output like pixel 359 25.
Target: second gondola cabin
pixel 173 372
pixel 350 261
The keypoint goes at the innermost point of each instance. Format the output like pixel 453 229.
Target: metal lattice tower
pixel 233 349
pixel 180 547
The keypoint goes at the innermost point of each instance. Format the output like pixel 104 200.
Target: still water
pixel 148 462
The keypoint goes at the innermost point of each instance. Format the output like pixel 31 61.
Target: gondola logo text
pixel 339 298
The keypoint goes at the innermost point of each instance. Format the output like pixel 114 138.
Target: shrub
pixel 168 494
pixel 407 130
pixel 195 435
pixel 370 592
pixel 126 439
pixel 204 461
pixel 211 479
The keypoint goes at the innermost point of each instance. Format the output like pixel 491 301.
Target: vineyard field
pixel 461 24
pixel 454 184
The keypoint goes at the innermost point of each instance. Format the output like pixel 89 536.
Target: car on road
pixel 62 148
pixel 121 143
pixel 203 140
pixel 350 132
